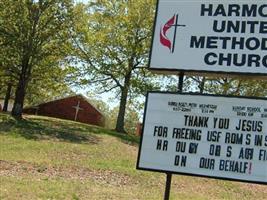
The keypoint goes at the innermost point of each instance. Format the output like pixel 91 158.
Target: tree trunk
pixel 7 97
pixel 19 98
pixel 123 102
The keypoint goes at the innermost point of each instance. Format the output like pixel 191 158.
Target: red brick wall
pixel 63 109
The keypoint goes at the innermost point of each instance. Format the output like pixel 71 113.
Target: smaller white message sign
pixel 210 37
pixel 210 136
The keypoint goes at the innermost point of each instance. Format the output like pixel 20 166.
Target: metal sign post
pixel 169 175
pixel 168 186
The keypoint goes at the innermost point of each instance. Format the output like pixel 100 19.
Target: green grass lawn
pixel 47 158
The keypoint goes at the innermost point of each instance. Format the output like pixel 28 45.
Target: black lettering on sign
pixel 243 114
pixel 246 153
pixel 238 108
pixel 234 43
pixel 234 166
pixel 206 163
pixel 196 121
pixel 220 10
pixel 221 123
pixel 239 26
pixel 233 138
pixel 229 151
pixel 180 146
pixel 161 131
pixel 225 59
pixel 162 145
pixel 197 42
pixel 215 150
pixel 254 60
pixel 212 43
pixel 206 10
pixel 221 59
pixel 237 61
pixel 185 133
pixel 263 27
pixel 210 58
pixel 180 161
pixel 258 140
pixel 244 10
pixel 263 155
pixel 249 125
pixel 213 136
pixel 251 114
pixel 248 139
pixel 193 148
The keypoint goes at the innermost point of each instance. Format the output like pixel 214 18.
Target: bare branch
pixel 108 90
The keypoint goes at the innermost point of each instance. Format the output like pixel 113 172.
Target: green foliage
pixel 112 39
pixel 34 37
pixel 131 119
pixel 48 85
pixel 98 103
pixel 232 86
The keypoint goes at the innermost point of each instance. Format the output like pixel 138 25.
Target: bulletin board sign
pixel 205 135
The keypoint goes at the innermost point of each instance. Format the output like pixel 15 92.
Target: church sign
pixel 205 135
pixel 210 37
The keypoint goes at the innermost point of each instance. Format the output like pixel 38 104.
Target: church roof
pixel 67 97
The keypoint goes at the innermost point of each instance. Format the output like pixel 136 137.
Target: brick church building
pixel 75 108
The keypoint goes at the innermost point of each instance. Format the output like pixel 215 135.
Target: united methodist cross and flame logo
pixel 164 40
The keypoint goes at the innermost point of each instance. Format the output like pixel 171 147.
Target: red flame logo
pixel 164 40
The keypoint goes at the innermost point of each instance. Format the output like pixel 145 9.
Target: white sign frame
pixel 191 60
pixel 144 164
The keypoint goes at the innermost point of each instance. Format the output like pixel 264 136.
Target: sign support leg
pixel 169 175
pixel 181 82
pixel 168 186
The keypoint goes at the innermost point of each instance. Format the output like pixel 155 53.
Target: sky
pixel 84 1
pixel 106 97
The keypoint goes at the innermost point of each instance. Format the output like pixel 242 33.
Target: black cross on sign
pixel 176 25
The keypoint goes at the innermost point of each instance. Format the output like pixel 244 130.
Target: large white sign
pixel 210 36
pixel 220 137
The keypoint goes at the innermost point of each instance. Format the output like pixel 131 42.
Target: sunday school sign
pixel 210 36
pixel 213 136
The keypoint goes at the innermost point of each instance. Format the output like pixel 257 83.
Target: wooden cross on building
pixel 77 108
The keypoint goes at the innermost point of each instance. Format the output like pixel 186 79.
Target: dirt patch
pixel 22 169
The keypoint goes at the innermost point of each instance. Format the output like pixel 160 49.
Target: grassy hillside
pixel 46 158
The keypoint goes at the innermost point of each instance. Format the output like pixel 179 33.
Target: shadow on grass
pixel 91 129
pixel 45 130
pixel 42 128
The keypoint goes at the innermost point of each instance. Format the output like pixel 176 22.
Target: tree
pixel 131 119
pixel 46 85
pixel 230 86
pixel 7 80
pixel 34 31
pixel 113 40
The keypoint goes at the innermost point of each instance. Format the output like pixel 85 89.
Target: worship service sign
pixel 212 136
pixel 210 36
